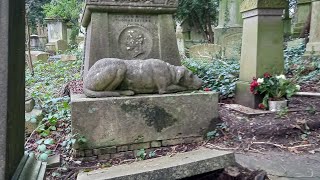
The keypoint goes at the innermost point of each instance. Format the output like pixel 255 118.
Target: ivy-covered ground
pixel 293 131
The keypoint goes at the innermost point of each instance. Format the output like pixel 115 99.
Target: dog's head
pixel 187 79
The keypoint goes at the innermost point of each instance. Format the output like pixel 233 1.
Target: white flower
pixel 260 80
pixel 298 87
pixel 281 76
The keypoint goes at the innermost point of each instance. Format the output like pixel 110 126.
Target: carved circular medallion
pixel 135 42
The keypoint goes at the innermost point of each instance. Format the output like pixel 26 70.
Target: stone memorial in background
pixel 12 67
pixel 313 47
pixel 301 16
pixel 205 52
pixel 57 35
pixel 228 33
pixel 262 45
pixel 287 21
pixel 127 29
pixel 34 42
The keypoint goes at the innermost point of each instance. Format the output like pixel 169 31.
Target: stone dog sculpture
pixel 114 77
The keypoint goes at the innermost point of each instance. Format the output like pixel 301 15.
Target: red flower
pixel 267 75
pixel 207 89
pixel 261 106
pixel 253 85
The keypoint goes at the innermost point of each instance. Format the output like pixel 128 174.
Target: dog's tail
pixel 100 94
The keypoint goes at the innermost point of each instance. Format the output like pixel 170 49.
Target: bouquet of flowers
pixel 275 88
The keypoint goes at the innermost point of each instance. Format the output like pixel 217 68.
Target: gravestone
pixel 127 29
pixel 34 42
pixel 301 16
pixel 262 45
pixel 57 35
pixel 313 47
pixel 229 31
pixel 180 40
pixel 205 52
pixel 12 64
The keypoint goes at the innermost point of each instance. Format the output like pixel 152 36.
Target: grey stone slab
pixel 283 165
pixel 168 168
pixel 116 121
pixel 53 161
pixel 308 94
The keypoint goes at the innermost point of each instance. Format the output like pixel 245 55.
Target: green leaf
pixel 49 141
pixel 43 157
pixel 42 148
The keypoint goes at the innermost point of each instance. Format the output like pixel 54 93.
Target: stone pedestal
pixel 34 42
pixel 130 30
pixel 144 121
pixel 12 68
pixel 301 16
pixel 262 45
pixel 229 31
pixel 313 47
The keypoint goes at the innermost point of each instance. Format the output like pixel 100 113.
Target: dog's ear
pixel 180 71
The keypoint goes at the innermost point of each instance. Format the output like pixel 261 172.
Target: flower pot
pixel 277 105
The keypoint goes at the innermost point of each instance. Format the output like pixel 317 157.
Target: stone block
pixel 155 144
pixel 65 57
pixel 96 152
pixel 205 51
pixel 136 146
pixel 38 56
pixel 88 152
pixel 78 153
pixel 32 119
pixel 186 140
pixel 117 121
pixel 177 167
pixel 104 157
pixel 248 5
pixel 29 105
pixel 125 155
pixel 230 40
pixel 108 150
pixel 88 159
pixel 122 148
pixel 53 161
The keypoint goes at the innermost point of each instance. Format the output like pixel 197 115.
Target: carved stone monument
pixel 313 47
pixel 127 29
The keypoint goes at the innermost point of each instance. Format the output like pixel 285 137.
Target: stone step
pixel 30 169
pixel 169 168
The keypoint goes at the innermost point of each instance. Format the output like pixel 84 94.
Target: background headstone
pixel 34 42
pixel 57 35
pixel 262 45
pixel 301 16
pixel 229 31
pixel 205 51
pixel 130 30
pixel 313 47
pixel 12 64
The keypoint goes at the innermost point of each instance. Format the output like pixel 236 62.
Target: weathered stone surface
pixel 313 47
pixel 262 49
pixel 29 105
pixel 65 57
pixel 205 51
pixel 229 31
pixel 145 145
pixel 33 119
pixel 248 5
pixel 122 148
pixel 57 29
pixel 111 77
pixel 125 155
pixel 130 30
pixel 108 150
pixel 38 56
pixel 53 161
pixel 34 42
pixel 126 120
pixel 155 144
pixel 104 156
pixel 88 152
pixel 186 140
pixel 168 168
pixel 301 16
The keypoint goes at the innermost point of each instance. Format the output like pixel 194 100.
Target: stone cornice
pixel 248 5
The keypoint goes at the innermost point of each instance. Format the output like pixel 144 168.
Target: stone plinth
pixel 229 31
pixel 57 35
pixel 301 16
pixel 137 121
pixel 313 47
pixel 12 85
pixel 262 45
pixel 166 168
pixel 130 30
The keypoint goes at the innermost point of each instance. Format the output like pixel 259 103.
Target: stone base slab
pixel 245 97
pixel 138 121
pixel 177 167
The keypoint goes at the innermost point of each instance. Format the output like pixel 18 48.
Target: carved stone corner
pixel 248 5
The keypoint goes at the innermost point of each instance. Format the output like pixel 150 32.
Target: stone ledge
pixel 179 166
pixel 118 121
pixel 248 5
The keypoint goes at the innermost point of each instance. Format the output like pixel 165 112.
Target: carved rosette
pixel 248 5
